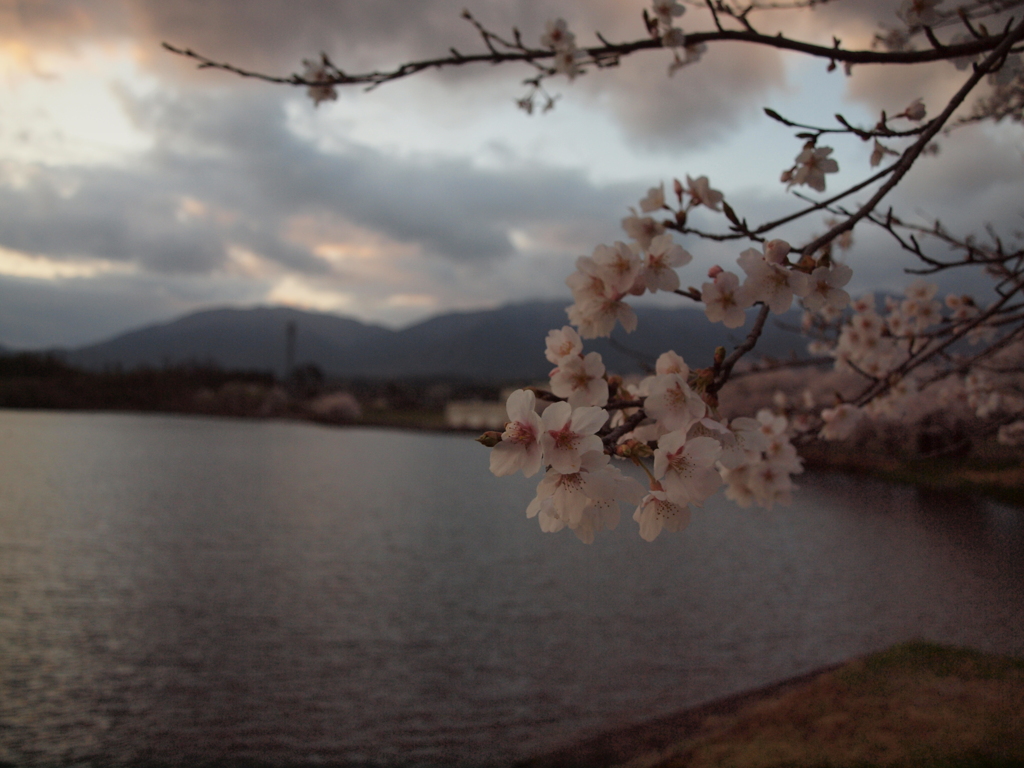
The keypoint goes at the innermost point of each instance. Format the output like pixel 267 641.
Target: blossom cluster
pixel 322 89
pixel 907 357
pixel 563 42
pixel 694 453
pixel 661 25
pixel 894 344
pixel 669 417
pixel 580 489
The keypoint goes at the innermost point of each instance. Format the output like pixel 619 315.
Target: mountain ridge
pixel 502 344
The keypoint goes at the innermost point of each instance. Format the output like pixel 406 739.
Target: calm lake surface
pixel 177 590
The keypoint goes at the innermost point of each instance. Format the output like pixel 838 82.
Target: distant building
pixel 336 406
pixel 482 414
pixel 475 414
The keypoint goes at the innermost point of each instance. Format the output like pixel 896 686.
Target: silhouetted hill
pixel 501 344
pixel 241 339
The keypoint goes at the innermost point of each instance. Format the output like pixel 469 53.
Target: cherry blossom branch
pixel 881 386
pixel 603 55
pixel 911 154
pixel 611 439
pixel 724 371
pixel 880 130
pixel 974 255
pixel 743 232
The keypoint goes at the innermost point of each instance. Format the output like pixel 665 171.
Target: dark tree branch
pixel 602 53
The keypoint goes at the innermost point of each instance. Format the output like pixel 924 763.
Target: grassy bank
pixel 917 704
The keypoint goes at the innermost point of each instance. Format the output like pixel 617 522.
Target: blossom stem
pixel 636 460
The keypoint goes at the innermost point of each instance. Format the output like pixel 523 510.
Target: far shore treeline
pixel 945 455
pixel 42 380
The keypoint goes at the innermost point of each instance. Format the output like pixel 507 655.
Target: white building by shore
pixel 475 414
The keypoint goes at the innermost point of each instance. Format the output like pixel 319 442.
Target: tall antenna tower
pixel 291 331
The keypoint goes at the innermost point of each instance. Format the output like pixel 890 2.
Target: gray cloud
pixel 226 143
pixel 271 36
pixel 245 156
pixel 239 156
pixel 111 215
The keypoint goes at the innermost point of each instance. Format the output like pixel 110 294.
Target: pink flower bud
pixel 775 251
pixel 915 111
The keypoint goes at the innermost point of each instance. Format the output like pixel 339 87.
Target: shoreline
pixel 1000 478
pixel 620 745
pixel 915 703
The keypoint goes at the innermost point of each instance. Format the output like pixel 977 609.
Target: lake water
pixel 179 590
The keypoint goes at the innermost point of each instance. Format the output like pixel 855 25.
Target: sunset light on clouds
pixel 134 188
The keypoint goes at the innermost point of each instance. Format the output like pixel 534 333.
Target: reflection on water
pixel 177 590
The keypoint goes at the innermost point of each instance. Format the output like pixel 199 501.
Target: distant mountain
pixel 252 339
pixel 501 344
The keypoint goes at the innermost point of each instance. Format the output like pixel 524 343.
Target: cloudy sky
pixel 134 188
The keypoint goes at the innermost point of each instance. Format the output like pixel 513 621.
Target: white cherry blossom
pixel 701 193
pixel 750 433
pixel 725 301
pixel 672 403
pixel 776 251
pixel 642 229
pixel 686 468
pixel 962 62
pixel 662 257
pixel 738 484
pixel 562 344
pixel 864 304
pixel 597 317
pixel 673 38
pixel 618 266
pixel 580 380
pixel 598 515
pixel 768 282
pixel 811 166
pixel 666 10
pixel 783 456
pixel 878 153
pixel 571 492
pixel 566 62
pixel 568 433
pixel 520 443
pixel 670 362
pixel 585 283
pixel 545 514
pixel 770 484
pixel 656 513
pixel 826 285
pixel 691 54
pixel 921 290
pixel 655 199
pixel 557 35
pixel 840 421
pixel 771 424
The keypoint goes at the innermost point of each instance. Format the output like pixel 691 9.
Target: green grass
pixel 916 705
